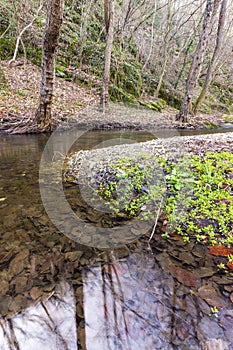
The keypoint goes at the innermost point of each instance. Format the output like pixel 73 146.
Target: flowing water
pixel 58 294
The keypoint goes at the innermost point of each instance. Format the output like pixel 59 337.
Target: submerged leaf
pixel 183 276
pixel 231 297
pixel 219 250
pixel 230 265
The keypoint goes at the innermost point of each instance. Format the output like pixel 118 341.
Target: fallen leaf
pixel 230 265
pixel 229 288
pixel 176 237
pixel 183 276
pixel 219 250
pixel 211 296
pixel 182 330
pixel 35 293
pixel 231 297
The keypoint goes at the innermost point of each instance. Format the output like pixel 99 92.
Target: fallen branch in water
pixel 156 222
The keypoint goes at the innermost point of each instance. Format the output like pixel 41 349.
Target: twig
pixel 2 35
pixel 22 31
pixel 156 221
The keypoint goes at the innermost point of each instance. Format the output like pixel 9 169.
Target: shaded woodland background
pixel 155 43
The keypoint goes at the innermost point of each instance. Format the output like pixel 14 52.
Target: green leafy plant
pixel 214 311
pixel 197 192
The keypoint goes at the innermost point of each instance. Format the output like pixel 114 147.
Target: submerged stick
pixel 156 222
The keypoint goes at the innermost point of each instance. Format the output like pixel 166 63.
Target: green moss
pixel 170 98
pixel 63 73
pixel 118 94
pixel 227 118
pixel 156 106
pixel 205 108
pixel 162 103
pixel 151 105
pixel 211 125
pixel 125 73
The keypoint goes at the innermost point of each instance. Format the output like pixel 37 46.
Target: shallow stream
pixel 58 294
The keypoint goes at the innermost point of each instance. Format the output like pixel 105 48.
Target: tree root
pixel 13 124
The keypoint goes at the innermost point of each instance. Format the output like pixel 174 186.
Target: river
pixel 56 293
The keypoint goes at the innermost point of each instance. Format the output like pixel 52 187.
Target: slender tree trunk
pixel 212 64
pixel 3 82
pixel 109 24
pixel 83 29
pixel 50 42
pixel 196 65
pixel 152 38
pixel 185 62
pixel 165 48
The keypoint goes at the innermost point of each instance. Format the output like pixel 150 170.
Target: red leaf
pixel 230 265
pixel 220 250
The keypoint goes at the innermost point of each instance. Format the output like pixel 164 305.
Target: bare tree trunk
pixel 152 38
pixel 165 48
pixel 3 82
pixel 196 65
pixel 109 24
pixel 83 29
pixel 212 64
pixel 50 42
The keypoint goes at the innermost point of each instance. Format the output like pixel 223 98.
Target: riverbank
pixel 79 105
pixel 168 145
pixel 175 292
pixel 191 262
pixel 192 174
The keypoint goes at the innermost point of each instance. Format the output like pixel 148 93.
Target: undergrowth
pixel 197 194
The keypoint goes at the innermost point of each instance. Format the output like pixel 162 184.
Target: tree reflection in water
pixel 50 324
pixel 134 304
pixel 123 309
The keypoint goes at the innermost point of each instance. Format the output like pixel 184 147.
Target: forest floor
pixel 19 100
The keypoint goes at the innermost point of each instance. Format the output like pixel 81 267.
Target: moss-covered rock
pixel 210 125
pixel 118 94
pixel 151 105
pixel 227 118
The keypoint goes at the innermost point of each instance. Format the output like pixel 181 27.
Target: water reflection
pixel 58 295
pixel 129 305
pixel 50 324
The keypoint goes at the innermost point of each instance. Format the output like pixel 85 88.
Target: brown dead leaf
pixel 183 276
pixel 211 296
pixel 35 293
pixel 219 250
pixel 231 297
pixel 182 330
pixel 230 265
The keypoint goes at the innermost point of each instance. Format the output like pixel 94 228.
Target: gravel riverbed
pixel 168 147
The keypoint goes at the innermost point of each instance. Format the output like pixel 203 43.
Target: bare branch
pixel 23 30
